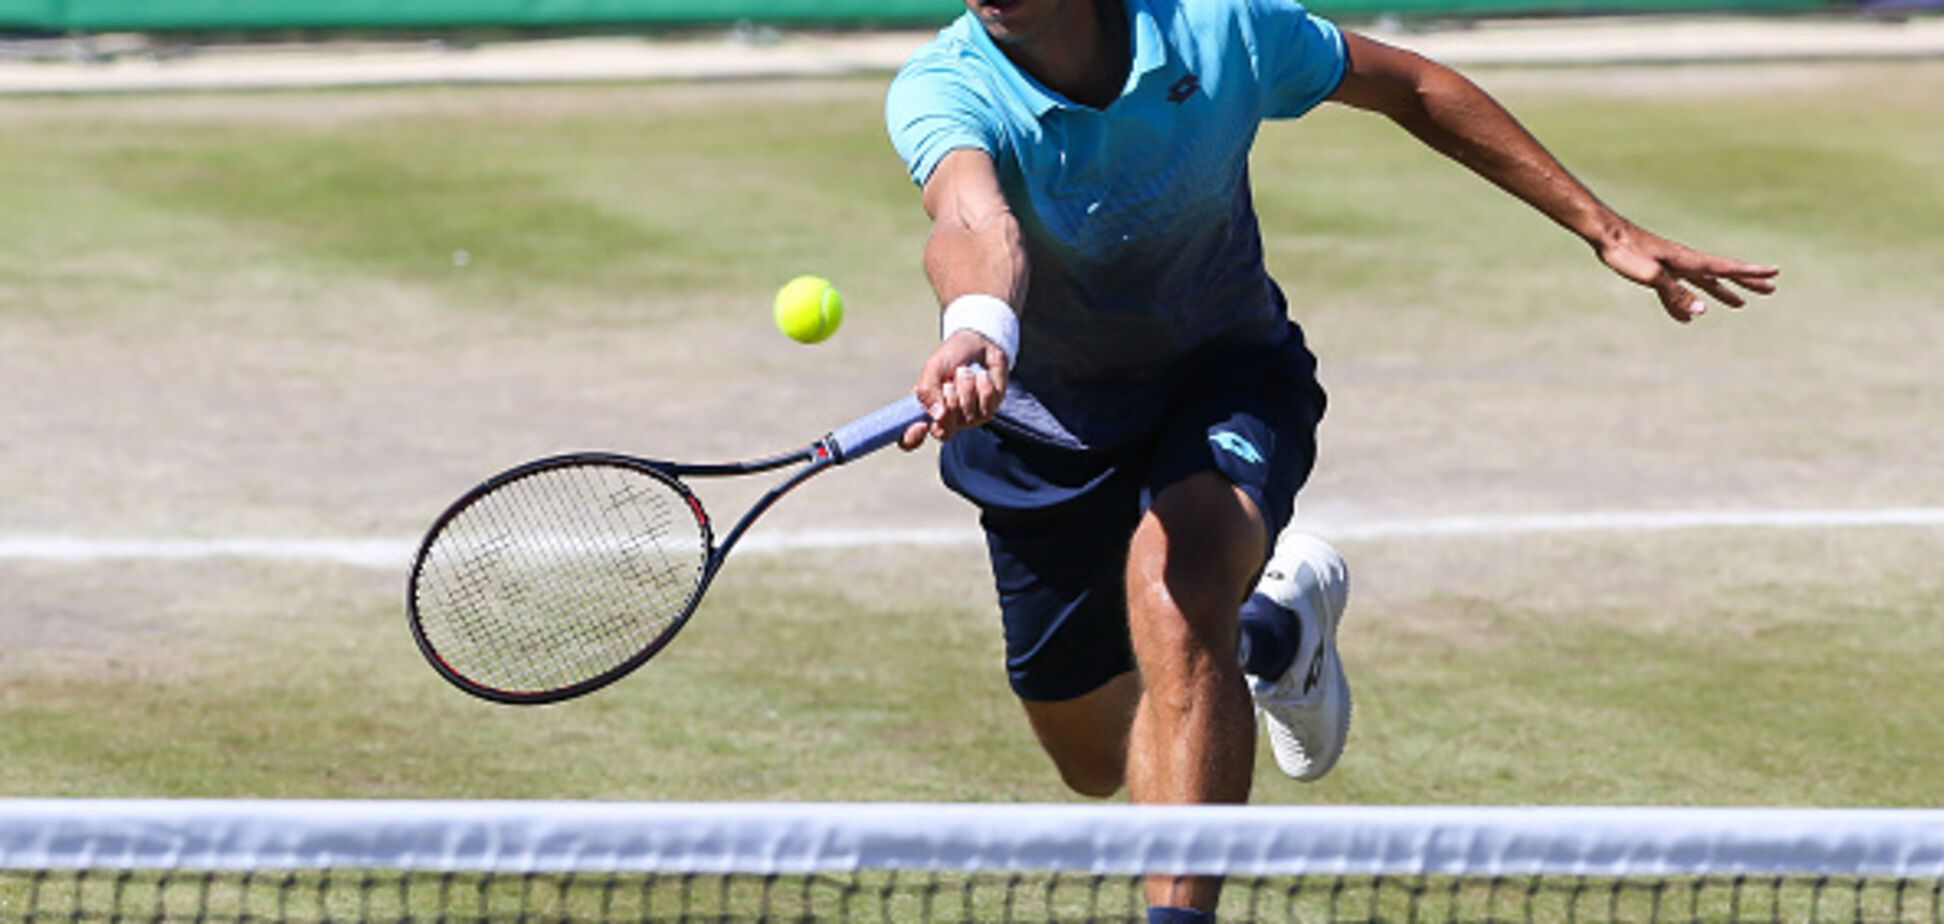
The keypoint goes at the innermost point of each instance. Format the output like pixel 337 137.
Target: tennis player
pixel 1146 410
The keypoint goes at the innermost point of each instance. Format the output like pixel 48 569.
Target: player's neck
pixel 1083 55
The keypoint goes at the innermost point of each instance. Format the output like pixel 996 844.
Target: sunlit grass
pixel 1477 360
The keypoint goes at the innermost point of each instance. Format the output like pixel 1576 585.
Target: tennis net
pixel 259 861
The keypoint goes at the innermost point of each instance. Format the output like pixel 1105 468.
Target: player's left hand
pixel 1669 268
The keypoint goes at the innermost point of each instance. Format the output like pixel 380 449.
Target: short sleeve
pixel 932 109
pixel 1300 56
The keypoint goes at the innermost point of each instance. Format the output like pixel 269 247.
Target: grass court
pixel 327 313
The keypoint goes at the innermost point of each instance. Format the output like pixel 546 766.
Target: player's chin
pixel 1003 17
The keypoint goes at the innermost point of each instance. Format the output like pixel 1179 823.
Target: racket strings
pixel 556 577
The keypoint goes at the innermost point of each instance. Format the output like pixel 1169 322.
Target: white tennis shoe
pixel 1307 709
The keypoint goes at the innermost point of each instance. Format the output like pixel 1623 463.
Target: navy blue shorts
pixel 1058 521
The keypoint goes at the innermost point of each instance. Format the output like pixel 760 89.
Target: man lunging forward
pixel 1151 408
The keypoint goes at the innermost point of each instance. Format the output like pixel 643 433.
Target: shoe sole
pixel 1340 686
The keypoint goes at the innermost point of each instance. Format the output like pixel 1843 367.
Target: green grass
pixel 1739 669
pixel 253 301
pixel 562 213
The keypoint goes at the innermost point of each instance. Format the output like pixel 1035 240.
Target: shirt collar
pixel 1150 53
pixel 1150 50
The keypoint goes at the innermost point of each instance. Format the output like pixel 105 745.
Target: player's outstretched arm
pixel 1452 115
pixel 974 249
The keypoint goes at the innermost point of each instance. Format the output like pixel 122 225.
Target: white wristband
pixel 986 316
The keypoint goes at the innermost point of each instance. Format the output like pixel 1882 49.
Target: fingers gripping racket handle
pixel 874 431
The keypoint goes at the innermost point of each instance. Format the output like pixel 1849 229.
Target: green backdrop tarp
pixel 163 15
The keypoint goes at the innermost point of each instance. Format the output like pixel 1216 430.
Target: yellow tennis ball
pixel 808 309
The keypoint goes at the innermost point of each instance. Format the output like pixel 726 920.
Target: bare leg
pixel 1189 567
pixel 1087 736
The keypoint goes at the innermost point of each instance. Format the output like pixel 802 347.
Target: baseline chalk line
pixel 397 552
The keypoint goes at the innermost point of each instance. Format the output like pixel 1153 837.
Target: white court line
pixel 363 553
pixel 394 553
pixel 1622 521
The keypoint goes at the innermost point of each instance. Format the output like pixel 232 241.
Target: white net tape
pixel 781 838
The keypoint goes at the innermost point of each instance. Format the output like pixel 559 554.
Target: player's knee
pixel 1181 627
pixel 1086 737
pixel 1090 766
pixel 1185 603
pixel 1190 567
pixel 1193 557
pixel 1093 779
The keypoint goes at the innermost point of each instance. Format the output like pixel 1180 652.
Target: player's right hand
pixel 961 386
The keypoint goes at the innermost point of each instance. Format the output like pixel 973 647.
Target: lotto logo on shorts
pixel 1236 445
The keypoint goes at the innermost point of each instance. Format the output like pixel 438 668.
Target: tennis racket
pixel 558 577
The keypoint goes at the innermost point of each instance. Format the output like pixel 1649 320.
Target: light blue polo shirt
pixel 1137 218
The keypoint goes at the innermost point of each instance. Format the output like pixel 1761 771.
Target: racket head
pixel 558 577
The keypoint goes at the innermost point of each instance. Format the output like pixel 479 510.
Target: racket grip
pixel 874 431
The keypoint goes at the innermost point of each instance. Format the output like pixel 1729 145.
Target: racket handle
pixel 879 428
pixel 874 431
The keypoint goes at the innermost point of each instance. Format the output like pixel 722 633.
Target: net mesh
pixel 393 896
pixel 251 861
pixel 558 575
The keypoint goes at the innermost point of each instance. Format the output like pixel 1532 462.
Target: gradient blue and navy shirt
pixel 1142 237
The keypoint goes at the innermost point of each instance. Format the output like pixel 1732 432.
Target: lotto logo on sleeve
pixel 1183 88
pixel 1237 445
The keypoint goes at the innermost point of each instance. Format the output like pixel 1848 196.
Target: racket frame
pixel 849 442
